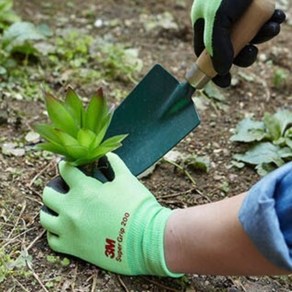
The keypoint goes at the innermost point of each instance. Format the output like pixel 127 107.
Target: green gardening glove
pixel 212 21
pixel 117 225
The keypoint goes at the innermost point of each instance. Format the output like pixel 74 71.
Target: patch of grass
pixel 13 267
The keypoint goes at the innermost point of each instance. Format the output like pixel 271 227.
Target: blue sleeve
pixel 266 216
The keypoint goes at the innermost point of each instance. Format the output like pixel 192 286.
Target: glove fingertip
pixel 117 164
pixel 53 241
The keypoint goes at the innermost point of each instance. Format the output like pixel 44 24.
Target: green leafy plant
pixel 75 132
pixel 279 78
pixel 7 14
pixel 270 140
pixel 20 38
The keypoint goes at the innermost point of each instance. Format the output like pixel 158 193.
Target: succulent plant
pixel 75 132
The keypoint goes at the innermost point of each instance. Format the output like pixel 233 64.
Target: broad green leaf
pixel 285 120
pixel 20 33
pixel 288 137
pixel 248 131
pixel 86 137
pixel 264 152
pixel 51 147
pixel 7 15
pixel 60 116
pixel 264 168
pixel 212 91
pixel 74 106
pixel 96 111
pixel 285 152
pixel 47 132
pixel 273 126
pixel 198 162
pixel 289 142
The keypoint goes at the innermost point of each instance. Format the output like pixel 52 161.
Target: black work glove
pixel 213 20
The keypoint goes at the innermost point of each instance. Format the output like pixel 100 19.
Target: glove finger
pixel 106 169
pixel 48 211
pixel 278 16
pixel 267 32
pixel 72 175
pixel 53 199
pixel 53 241
pixel 271 28
pixel 226 16
pixel 246 57
pixel 222 81
pixel 223 53
pixel 49 222
pixel 199 37
pixel 117 164
pixel 59 185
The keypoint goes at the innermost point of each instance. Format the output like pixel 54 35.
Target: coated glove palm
pixel 116 225
pixel 212 21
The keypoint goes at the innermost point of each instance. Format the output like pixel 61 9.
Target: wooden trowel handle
pixel 244 30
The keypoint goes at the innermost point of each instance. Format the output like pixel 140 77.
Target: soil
pixel 20 195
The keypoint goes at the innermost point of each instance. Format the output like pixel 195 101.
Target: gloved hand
pixel 212 21
pixel 117 225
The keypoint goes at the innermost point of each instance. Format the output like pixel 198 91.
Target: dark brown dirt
pixel 20 199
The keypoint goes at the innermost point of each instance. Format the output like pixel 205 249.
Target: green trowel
pixel 160 112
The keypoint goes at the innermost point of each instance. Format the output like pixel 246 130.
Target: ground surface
pixel 22 178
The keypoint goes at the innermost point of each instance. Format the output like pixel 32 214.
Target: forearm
pixel 209 239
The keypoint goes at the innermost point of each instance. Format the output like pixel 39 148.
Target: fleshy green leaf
pixel 96 111
pixel 113 142
pixel 75 151
pixel 47 132
pixel 101 133
pixel 86 137
pixel 74 106
pixel 60 116
pixel 248 131
pixel 65 138
pixel 55 148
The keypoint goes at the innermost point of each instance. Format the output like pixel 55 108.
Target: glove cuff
pixel 147 255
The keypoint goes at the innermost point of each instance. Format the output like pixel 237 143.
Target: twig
pixel 93 287
pixel 17 220
pixel 33 199
pixel 122 283
pixel 183 170
pixel 160 285
pixel 14 238
pixel 176 194
pixel 41 172
pixel 18 283
pixel 74 278
pixel 35 274
pixel 36 239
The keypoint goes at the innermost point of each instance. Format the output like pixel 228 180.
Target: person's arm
pixel 119 226
pixel 209 239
